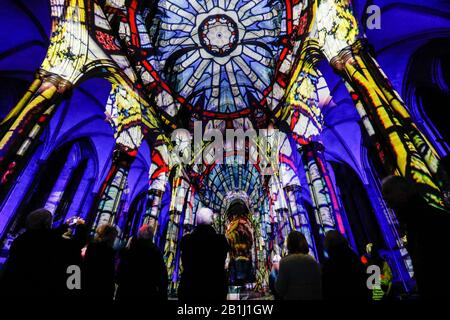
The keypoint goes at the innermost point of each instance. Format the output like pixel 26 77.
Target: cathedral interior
pixel 92 93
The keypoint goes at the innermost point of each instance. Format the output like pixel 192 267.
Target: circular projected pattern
pixel 218 35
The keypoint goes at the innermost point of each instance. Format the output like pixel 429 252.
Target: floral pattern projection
pixel 232 64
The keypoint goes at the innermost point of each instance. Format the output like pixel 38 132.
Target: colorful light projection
pixel 403 148
pixel 233 64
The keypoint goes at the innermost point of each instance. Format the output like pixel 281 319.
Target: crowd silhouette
pixel 40 257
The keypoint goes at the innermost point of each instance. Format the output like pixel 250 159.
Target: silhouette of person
pixel 31 265
pixel 142 272
pixel 203 254
pixel 99 264
pixel 299 275
pixel 426 228
pixel 343 274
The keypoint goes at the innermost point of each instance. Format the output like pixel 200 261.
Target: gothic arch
pixel 58 181
pixel 359 211
pixel 134 214
pixel 427 83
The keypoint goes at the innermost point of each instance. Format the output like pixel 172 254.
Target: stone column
pixel 158 179
pixel 21 129
pixel 321 187
pixel 299 216
pixel 112 188
pixel 403 149
pixel 178 200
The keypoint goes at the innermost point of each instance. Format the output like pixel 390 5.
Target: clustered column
pixel 403 149
pixel 25 123
pixel 178 201
pixel 299 216
pixel 158 180
pixel 112 188
pixel 327 209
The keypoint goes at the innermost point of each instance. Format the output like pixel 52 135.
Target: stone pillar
pixel 403 149
pixel 178 200
pixel 189 217
pixel 279 211
pixel 9 119
pixel 158 179
pixel 22 127
pixel 321 187
pixel 284 227
pixel 299 216
pixel 112 188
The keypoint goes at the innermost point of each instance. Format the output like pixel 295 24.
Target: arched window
pixel 427 85
pixel 134 215
pixel 358 207
pixel 61 184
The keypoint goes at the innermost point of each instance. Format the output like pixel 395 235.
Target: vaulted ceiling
pixel 24 36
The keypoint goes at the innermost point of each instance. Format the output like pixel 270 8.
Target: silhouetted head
pixel 398 192
pixel 334 242
pixel 204 217
pixel 296 243
pixel 40 219
pixel 106 233
pixel 145 232
pixel 237 208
